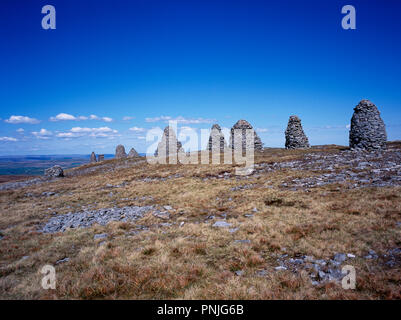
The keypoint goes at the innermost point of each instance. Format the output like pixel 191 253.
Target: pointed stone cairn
pixel 132 153
pixel 120 152
pixel 367 128
pixel 295 137
pixel 100 157
pixel 93 158
pixel 216 139
pixel 169 145
pixel 243 125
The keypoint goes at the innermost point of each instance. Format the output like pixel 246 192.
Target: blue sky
pixel 131 64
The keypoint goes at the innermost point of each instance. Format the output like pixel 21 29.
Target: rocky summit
pixel 120 152
pixel 367 127
pixel 132 153
pixel 169 145
pixel 240 129
pixel 55 171
pixel 295 137
pixel 216 139
pixel 93 158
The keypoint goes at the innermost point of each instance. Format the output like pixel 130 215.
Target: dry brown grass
pixel 197 261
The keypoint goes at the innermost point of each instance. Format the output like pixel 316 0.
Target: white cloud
pixel 63 117
pixel 42 134
pixel 8 139
pixel 20 130
pixel 21 119
pixel 348 126
pixel 262 130
pixel 180 119
pixel 136 129
pixel 128 118
pixel 70 117
pixel 76 132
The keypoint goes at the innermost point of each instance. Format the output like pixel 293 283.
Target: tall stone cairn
pixel 120 152
pixel 132 153
pixel 295 137
pixel 169 139
pixel 367 127
pixel 93 158
pixel 242 125
pixel 216 139
pixel 100 157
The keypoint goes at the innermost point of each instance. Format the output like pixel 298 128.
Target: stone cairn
pixel 93 158
pixel 120 152
pixel 55 171
pixel 216 139
pixel 242 125
pixel 100 157
pixel 132 153
pixel 169 145
pixel 295 137
pixel 367 128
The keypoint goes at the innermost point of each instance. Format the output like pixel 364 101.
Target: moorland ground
pixel 285 224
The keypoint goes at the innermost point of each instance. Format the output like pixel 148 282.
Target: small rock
pixel 232 230
pixel 280 268
pixel 62 260
pixel 221 224
pixel 182 223
pixel 166 224
pixel 261 273
pixel 340 257
pixel 167 207
pixel 100 236
pixel 350 255
pixel 162 215
pixel 239 273
pixel 248 215
pixel 242 241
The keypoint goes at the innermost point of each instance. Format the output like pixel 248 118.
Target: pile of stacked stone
pixel 216 139
pixel 93 158
pixel 120 152
pixel 132 153
pixel 169 145
pixel 239 131
pixel 55 171
pixel 295 137
pixel 367 128
pixel 100 157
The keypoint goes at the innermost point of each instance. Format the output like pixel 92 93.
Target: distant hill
pixel 36 164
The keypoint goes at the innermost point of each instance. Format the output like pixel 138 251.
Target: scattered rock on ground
pixel 87 218
pixel 55 171
pixel 221 224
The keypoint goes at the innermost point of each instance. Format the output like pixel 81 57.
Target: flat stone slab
pixel 221 224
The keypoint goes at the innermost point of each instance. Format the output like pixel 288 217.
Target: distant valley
pixel 32 165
